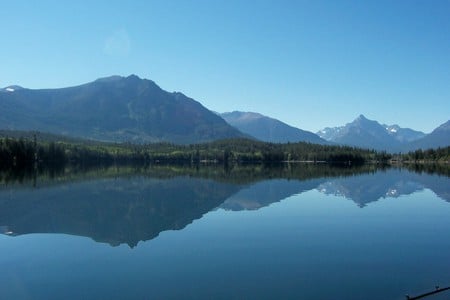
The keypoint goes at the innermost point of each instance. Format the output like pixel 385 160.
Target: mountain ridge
pixel 439 137
pixel 131 109
pixel 268 129
pixel 365 133
pixel 115 109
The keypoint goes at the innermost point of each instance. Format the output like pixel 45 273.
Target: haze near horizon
pixel 311 64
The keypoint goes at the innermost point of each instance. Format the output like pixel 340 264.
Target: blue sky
pixel 311 64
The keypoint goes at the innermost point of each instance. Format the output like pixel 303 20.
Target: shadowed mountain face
pixel 118 210
pixel 269 130
pixel 440 137
pixel 113 109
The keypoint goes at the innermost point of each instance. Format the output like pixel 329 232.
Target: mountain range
pixel 131 109
pixel 365 133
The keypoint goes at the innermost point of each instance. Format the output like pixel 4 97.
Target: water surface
pixel 297 232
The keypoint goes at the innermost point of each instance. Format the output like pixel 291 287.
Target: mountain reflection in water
pixel 118 206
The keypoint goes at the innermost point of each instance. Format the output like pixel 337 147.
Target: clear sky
pixel 311 64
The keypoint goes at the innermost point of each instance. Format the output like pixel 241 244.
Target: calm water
pixel 253 233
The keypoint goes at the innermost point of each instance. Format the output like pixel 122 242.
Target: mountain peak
pixel 440 137
pixel 133 77
pixel 12 88
pixel 363 133
pixel 444 127
pixel 362 118
pixel 362 121
pixel 248 115
pixel 115 78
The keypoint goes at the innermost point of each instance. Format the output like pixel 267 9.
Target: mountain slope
pixel 113 109
pixel 269 129
pixel 440 137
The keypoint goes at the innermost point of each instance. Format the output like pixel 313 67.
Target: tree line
pixel 441 154
pixel 21 152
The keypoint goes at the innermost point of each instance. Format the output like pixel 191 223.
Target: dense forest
pixel 32 151
pixel 21 152
pixel 429 155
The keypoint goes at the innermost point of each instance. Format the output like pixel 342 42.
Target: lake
pixel 249 232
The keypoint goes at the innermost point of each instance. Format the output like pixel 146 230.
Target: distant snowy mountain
pixel 403 135
pixel 268 129
pixel 330 133
pixel 11 88
pixel 363 133
pixel 366 133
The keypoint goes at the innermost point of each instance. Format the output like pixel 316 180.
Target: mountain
pixel 329 133
pixel 11 88
pixel 113 109
pixel 440 137
pixel 404 135
pixel 268 129
pixel 392 138
pixel 363 133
